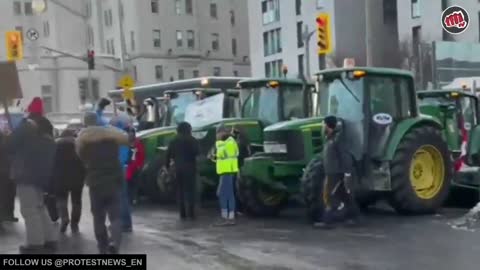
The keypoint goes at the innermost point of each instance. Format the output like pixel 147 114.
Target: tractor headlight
pixel 275 148
pixel 199 134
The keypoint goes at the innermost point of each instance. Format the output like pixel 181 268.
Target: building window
pixel 112 41
pixel 389 12
pixel 234 47
pixel 190 39
pixel 301 65
pixel 135 74
pixel 270 11
pixel 88 9
pixel 235 73
pixel 108 47
pixel 179 38
pixel 299 34
pixel 298 7
pixel 110 17
pixel 91 39
pixel 28 8
pixel 320 4
pixel 181 74
pixel 47 97
pixel 105 17
pixel 213 10
pixel 156 39
pixel 178 7
pixel 159 73
pixel 215 42
pixel 154 5
pixel 232 17
pixel 196 74
pixel 83 89
pixel 273 69
pixel 217 71
pixel 272 42
pixel 188 7
pixel 132 41
pixel 46 29
pixel 19 29
pixel 17 8
pixel 416 13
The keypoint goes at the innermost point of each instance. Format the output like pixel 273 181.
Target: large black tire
pixel 312 188
pixel 405 198
pixel 253 198
pixel 159 184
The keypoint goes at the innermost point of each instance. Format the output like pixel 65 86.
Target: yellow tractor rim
pixel 427 172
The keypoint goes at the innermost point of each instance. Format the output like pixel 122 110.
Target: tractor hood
pixel 296 124
pixel 156 132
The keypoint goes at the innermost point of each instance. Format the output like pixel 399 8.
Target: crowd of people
pixel 46 173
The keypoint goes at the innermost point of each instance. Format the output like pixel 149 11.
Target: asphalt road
pixel 385 242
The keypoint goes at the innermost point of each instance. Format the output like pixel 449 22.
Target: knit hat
pixel 331 121
pixel 90 119
pixel 36 106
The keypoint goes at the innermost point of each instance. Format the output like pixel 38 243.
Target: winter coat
pixel 98 148
pixel 33 152
pixel 336 157
pixel 4 158
pixel 69 172
pixel 183 150
pixel 137 160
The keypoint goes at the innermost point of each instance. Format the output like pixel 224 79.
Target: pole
pixel 123 42
pixel 306 37
pixel 321 62
pixel 369 32
pixel 90 87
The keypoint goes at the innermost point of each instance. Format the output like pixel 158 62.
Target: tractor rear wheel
pixel 421 172
pixel 312 187
pixel 259 200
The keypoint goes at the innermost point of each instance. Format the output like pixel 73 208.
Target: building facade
pixel 153 40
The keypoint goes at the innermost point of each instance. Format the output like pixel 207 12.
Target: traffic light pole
pixel 321 61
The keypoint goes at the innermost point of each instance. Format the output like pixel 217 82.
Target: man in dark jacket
pixel 338 166
pixel 98 148
pixel 33 150
pixel 183 151
pixel 68 180
pixel 7 186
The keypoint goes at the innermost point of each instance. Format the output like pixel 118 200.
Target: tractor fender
pixel 258 167
pixel 403 128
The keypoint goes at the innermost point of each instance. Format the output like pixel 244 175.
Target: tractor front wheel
pixel 259 200
pixel 312 187
pixel 421 172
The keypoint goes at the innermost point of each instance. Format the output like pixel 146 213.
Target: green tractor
pixel 398 153
pixel 264 102
pixel 458 113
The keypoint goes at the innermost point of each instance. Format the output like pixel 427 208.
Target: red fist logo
pixel 456 19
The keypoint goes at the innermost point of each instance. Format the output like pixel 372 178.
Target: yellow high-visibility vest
pixel 227 156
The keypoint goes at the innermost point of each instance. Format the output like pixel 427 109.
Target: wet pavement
pixel 385 242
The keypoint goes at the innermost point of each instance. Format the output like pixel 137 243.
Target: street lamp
pixel 39 6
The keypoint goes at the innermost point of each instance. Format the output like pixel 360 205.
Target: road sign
pixel 14 43
pixel 127 83
pixel 32 34
pixel 324 29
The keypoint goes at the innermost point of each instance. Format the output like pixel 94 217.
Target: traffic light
pixel 91 59
pixel 324 34
pixel 14 44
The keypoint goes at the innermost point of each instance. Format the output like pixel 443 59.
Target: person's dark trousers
pixel 238 204
pixel 51 204
pixel 132 189
pixel 103 204
pixel 73 219
pixel 334 193
pixel 126 209
pixel 7 199
pixel 186 193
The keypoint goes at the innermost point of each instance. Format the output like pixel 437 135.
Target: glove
pixel 103 103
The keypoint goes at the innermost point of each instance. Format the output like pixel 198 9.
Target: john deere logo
pixel 455 20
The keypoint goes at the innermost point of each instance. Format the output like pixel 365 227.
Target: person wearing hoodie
pixel 98 148
pixel 68 181
pixel 33 152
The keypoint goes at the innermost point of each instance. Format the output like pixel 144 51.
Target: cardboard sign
pixel 205 111
pixel 10 83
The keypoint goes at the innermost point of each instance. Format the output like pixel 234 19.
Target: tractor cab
pixel 151 113
pixel 458 112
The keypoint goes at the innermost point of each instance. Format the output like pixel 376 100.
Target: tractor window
pixel 179 104
pixel 468 111
pixel 293 102
pixel 336 99
pixel 382 96
pixel 262 104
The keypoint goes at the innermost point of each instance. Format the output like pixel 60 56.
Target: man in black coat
pixel 338 166
pixel 183 151
pixel 7 186
pixel 68 180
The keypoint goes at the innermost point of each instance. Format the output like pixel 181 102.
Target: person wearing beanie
pixel 33 150
pixel 338 167
pixel 182 152
pixel 226 158
pixel 98 147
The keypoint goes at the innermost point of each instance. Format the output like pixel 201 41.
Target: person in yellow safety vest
pixel 227 168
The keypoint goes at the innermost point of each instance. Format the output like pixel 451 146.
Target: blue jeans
pixel 126 211
pixel 226 193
